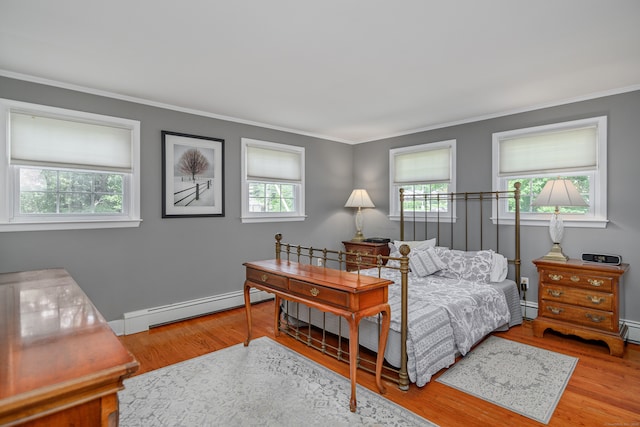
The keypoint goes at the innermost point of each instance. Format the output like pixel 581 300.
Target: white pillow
pixel 415 244
pixel 499 267
pixel 425 262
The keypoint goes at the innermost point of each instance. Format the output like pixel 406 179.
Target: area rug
pixel 264 384
pixel 519 377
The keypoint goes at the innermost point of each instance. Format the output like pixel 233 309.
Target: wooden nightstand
pixel 583 299
pixel 364 248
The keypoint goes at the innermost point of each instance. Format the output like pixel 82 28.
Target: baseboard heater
pixel 142 320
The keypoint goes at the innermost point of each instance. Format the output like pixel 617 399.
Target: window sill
pixel 254 219
pixel 567 222
pixel 68 225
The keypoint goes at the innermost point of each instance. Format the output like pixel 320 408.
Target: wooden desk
pixel 60 363
pixel 349 295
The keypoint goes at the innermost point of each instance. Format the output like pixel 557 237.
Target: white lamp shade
pixel 559 192
pixel 359 199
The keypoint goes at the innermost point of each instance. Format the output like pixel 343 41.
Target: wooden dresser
pixel 349 295
pixel 364 248
pixel 581 299
pixel 60 362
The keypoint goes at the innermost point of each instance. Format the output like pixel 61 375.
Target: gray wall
pixel 171 260
pixel 622 234
pixel 178 259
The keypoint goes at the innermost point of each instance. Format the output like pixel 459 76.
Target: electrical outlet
pixel 319 262
pixel 524 283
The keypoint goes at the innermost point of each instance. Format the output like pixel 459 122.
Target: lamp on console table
pixel 359 199
pixel 558 192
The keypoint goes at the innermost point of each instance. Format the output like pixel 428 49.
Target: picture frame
pixel 192 175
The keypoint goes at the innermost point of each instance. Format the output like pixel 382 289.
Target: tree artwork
pixel 192 162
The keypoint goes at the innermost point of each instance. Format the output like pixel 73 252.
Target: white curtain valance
pixel 423 166
pixel 56 142
pixel 547 152
pixel 271 164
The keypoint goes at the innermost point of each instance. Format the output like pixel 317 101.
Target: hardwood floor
pixel 603 390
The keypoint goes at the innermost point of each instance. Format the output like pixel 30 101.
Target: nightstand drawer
pixel 577 296
pixel 560 277
pixel 320 293
pixel 267 279
pixel 597 319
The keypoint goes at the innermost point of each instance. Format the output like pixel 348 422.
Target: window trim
pixel 394 201
pixel 598 187
pixel 255 217
pixel 9 222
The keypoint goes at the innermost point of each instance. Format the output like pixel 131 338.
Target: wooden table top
pixel 52 337
pixel 347 281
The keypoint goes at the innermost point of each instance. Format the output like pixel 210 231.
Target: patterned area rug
pixel 524 379
pixel 264 384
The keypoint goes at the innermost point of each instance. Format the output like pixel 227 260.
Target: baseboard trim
pixel 530 311
pixel 141 320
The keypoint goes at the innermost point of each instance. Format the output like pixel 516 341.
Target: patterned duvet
pixel 445 316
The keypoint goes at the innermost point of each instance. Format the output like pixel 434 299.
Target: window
pixel 67 169
pixel 272 182
pixel 573 150
pixel 422 169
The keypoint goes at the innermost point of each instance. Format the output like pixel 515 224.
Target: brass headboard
pixel 467 218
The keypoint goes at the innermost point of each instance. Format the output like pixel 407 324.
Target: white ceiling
pixel 346 70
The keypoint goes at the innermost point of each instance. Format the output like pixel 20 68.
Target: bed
pixel 453 284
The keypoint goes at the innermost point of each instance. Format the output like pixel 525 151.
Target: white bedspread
pixel 445 315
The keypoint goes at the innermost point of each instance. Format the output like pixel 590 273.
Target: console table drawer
pixel 577 296
pixel 597 319
pixel 320 293
pixel 560 277
pixel 267 279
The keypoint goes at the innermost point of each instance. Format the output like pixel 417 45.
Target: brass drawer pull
pixel 595 282
pixel 554 292
pixel 555 277
pixel 596 300
pixel 594 317
pixel 555 310
pixel 264 277
pixel 315 292
pixel 575 278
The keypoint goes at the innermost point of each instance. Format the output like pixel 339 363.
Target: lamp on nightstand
pixel 558 192
pixel 359 199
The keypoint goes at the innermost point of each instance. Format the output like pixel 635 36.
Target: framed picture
pixel 192 175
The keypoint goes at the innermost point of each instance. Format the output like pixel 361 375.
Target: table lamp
pixel 359 199
pixel 558 192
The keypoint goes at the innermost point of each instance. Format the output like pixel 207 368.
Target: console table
pixel 349 295
pixel 60 362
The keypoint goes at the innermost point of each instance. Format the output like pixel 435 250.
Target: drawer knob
pixel 555 310
pixel 315 292
pixel 595 282
pixel 575 278
pixel 554 292
pixel 594 317
pixel 555 277
pixel 264 277
pixel 596 300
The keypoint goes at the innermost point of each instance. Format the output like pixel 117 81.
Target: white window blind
pixel 54 142
pixel 423 166
pixel 565 150
pixel 272 164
